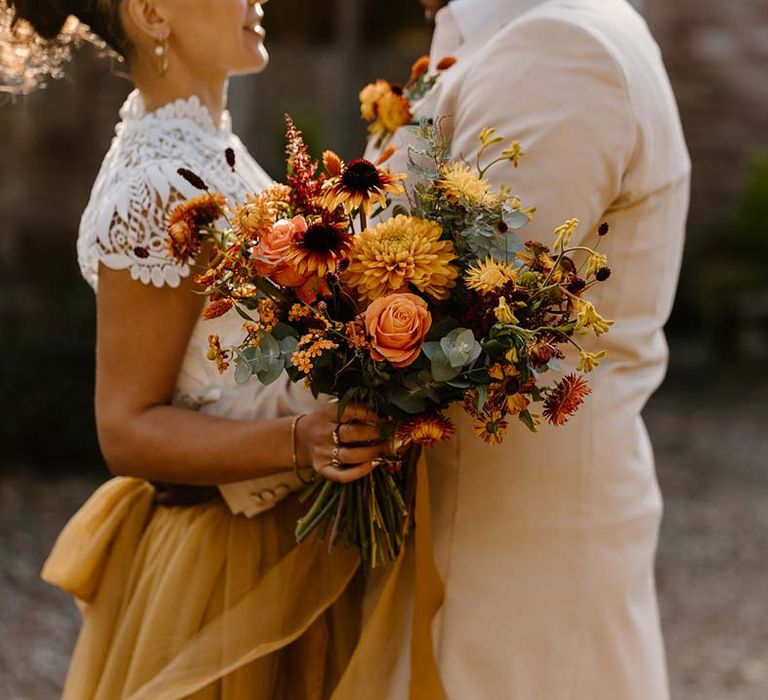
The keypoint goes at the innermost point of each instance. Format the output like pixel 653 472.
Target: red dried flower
pixel 565 398
pixel 302 176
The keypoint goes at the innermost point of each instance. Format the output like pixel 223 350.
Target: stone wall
pixel 716 52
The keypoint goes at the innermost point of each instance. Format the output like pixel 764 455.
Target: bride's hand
pixel 359 442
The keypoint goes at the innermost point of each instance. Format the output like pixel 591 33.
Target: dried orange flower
pixel 564 400
pixel 217 308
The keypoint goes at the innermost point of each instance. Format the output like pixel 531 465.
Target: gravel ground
pixel 713 583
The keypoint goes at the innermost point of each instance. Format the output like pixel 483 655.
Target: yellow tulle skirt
pixel 194 602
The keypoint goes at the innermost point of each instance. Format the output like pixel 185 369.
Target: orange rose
pixel 397 324
pixel 273 245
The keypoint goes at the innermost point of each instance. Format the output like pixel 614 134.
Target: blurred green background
pixel 707 422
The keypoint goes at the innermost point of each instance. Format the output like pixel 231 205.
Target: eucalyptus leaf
pixel 431 348
pixel 272 370
pixel 442 369
pixel 515 219
pixel 269 347
pixel 243 371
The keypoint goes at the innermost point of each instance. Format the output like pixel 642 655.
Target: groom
pixel 547 543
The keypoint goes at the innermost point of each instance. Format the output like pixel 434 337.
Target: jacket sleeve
pixel 555 88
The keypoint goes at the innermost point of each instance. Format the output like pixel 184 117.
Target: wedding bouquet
pixel 438 304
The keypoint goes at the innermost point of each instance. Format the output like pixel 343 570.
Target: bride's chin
pixel 257 62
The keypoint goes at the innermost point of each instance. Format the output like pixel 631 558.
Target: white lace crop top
pixel 135 190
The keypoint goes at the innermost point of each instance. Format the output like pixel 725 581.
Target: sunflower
pixel 425 430
pixel 488 276
pixel 319 249
pixel 360 185
pixel 460 183
pixel 402 250
pixel 565 398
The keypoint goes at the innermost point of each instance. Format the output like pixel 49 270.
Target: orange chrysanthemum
pixel 184 224
pixel 402 250
pixel 564 400
pixel 361 185
pixel 425 430
pixel 319 249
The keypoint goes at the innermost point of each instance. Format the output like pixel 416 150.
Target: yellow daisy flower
pixel 459 182
pixel 489 275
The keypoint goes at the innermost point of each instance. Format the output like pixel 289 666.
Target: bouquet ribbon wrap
pixel 373 662
pixel 93 554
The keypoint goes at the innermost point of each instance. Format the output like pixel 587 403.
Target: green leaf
pixel 457 346
pixel 482 396
pixel 442 369
pixel 474 353
pixel 515 219
pixel 283 330
pixel 431 348
pixel 273 368
pixel 406 401
pixel 288 346
pixel 269 347
pixel 243 371
pixel 244 315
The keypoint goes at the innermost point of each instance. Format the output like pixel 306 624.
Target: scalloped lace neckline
pixel 189 108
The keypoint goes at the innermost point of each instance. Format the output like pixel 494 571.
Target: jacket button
pixel 257 497
pixel 282 489
pixel 267 495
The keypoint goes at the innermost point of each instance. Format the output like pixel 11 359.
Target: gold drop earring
pixel 161 55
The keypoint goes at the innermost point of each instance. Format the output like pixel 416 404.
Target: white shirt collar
pixel 479 18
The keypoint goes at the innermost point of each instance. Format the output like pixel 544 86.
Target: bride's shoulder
pixel 138 185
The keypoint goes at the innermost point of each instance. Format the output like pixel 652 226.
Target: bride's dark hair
pixel 48 17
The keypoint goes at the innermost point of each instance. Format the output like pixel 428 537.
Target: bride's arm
pixel 142 336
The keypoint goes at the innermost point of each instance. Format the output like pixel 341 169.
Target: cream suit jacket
pixel 547 542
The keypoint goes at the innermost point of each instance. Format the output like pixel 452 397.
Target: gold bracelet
pixel 294 455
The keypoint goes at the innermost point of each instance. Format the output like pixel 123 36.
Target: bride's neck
pixel 179 82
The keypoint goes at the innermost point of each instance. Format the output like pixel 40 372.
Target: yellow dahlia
pixel 402 250
pixel 460 183
pixel 489 275
pixel 360 185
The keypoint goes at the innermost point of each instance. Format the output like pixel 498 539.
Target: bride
pixel 184 566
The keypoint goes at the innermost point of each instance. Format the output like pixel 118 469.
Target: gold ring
pixel 335 457
pixel 335 435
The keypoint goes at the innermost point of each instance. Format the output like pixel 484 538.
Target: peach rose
pixel 273 245
pixel 397 324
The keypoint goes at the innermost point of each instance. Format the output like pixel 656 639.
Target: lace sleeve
pixel 124 226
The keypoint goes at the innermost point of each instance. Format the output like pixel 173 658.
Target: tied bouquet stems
pixel 440 303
